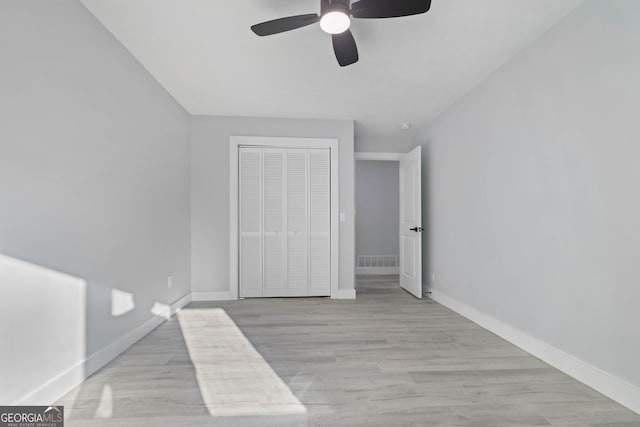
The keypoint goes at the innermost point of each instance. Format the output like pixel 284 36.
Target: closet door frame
pixel 279 142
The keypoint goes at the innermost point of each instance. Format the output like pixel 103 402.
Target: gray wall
pixel 533 183
pixel 94 182
pixel 210 138
pixel 377 207
pixel 399 143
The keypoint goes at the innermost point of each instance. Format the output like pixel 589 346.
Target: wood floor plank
pixel 384 359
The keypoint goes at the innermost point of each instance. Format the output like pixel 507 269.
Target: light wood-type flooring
pixel 385 359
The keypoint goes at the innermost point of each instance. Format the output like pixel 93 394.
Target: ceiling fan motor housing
pixel 343 6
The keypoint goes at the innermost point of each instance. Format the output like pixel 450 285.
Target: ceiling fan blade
pixel 285 24
pixel 389 8
pixel 344 46
pixel 324 5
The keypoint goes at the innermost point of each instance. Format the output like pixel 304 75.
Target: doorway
pixel 389 216
pixel 377 217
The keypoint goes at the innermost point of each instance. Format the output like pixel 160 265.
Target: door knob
pixel 416 229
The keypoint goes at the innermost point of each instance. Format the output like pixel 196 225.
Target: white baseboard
pixel 229 296
pixel 181 303
pixel 55 388
pixel 106 354
pixel 377 270
pixel 213 296
pixel 614 388
pixel 68 380
pixel 344 294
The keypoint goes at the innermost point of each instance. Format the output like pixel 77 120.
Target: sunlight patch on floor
pixel 234 379
pixel 105 407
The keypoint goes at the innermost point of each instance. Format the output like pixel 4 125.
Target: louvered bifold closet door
pixel 319 222
pixel 250 222
pixel 274 228
pixel 284 222
pixel 297 223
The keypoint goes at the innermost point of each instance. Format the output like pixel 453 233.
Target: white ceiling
pixel 410 69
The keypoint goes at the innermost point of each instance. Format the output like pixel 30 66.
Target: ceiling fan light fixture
pixel 335 22
pixel 335 18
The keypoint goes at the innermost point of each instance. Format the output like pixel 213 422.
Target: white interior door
pixel 411 222
pixel 297 227
pixel 285 222
pixel 274 218
pixel 250 222
pixel 319 222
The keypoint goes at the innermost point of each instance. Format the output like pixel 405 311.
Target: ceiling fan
pixel 335 19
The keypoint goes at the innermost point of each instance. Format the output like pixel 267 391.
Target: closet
pixel 284 222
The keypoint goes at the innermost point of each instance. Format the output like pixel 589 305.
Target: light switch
pixel 343 217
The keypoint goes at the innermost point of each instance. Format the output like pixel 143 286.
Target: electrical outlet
pixel 169 281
